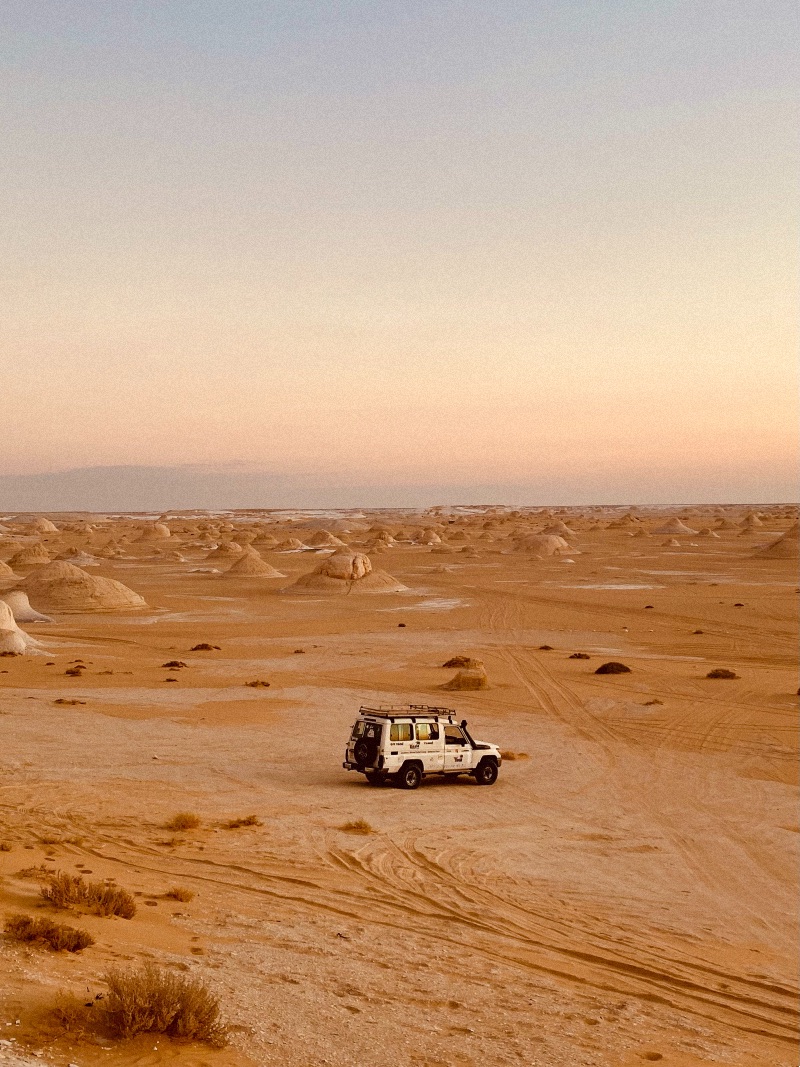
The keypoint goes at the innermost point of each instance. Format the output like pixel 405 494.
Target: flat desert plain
pixel 624 894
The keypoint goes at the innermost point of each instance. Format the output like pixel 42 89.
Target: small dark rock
pixel 613 668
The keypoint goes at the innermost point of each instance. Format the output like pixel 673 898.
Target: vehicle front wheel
pixel 486 772
pixel 409 777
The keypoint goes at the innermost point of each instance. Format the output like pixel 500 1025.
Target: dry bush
pixel 37 874
pixel 184 820
pixel 722 672
pixel 5 846
pixel 357 826
pixel 179 893
pixel 63 890
pixel 514 755
pixel 58 936
pixel 104 899
pixel 150 1001
pixel 71 1014
pixel 258 683
pixel 247 820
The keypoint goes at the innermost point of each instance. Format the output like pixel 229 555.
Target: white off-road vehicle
pixel 403 744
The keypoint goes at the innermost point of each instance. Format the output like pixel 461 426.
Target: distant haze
pixel 397 252
pixel 163 488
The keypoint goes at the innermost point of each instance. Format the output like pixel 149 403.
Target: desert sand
pixel 625 893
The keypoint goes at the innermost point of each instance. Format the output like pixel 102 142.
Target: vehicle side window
pixel 453 736
pixel 358 730
pixel 401 731
pixel 427 731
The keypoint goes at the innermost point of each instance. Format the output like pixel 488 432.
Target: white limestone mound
pixel 292 544
pixel 346 572
pixel 30 556
pixel 42 525
pixel 80 559
pixel 468 680
pixel 430 537
pixel 6 572
pixel 786 547
pixel 18 602
pixel 251 565
pixel 265 540
pixel 543 545
pixel 751 519
pixel 159 531
pixel 12 638
pixel 673 527
pixel 325 539
pixel 227 550
pixel 64 587
pixel 672 543
pixel 560 529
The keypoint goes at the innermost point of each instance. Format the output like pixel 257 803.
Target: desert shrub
pixel 545 648
pixel 71 1014
pixel 579 655
pixel 179 893
pixel 247 820
pixel 514 755
pixel 184 820
pixel 174 663
pixel 105 899
pixel 258 683
pixel 57 936
pixel 151 1001
pixel 722 672
pixel 204 646
pixel 63 890
pixel 613 668
pixel 357 826
pixel 5 846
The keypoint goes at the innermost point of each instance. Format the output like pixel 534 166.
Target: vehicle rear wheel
pixel 409 777
pixel 486 772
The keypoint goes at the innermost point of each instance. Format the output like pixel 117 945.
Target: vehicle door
pixel 457 749
pixel 431 749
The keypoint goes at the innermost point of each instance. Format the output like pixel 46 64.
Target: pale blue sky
pixel 425 244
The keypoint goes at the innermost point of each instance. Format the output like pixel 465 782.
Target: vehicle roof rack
pixel 406 711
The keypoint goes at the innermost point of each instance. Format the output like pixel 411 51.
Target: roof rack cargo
pixel 406 711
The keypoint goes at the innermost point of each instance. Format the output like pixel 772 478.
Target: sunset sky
pixel 364 252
